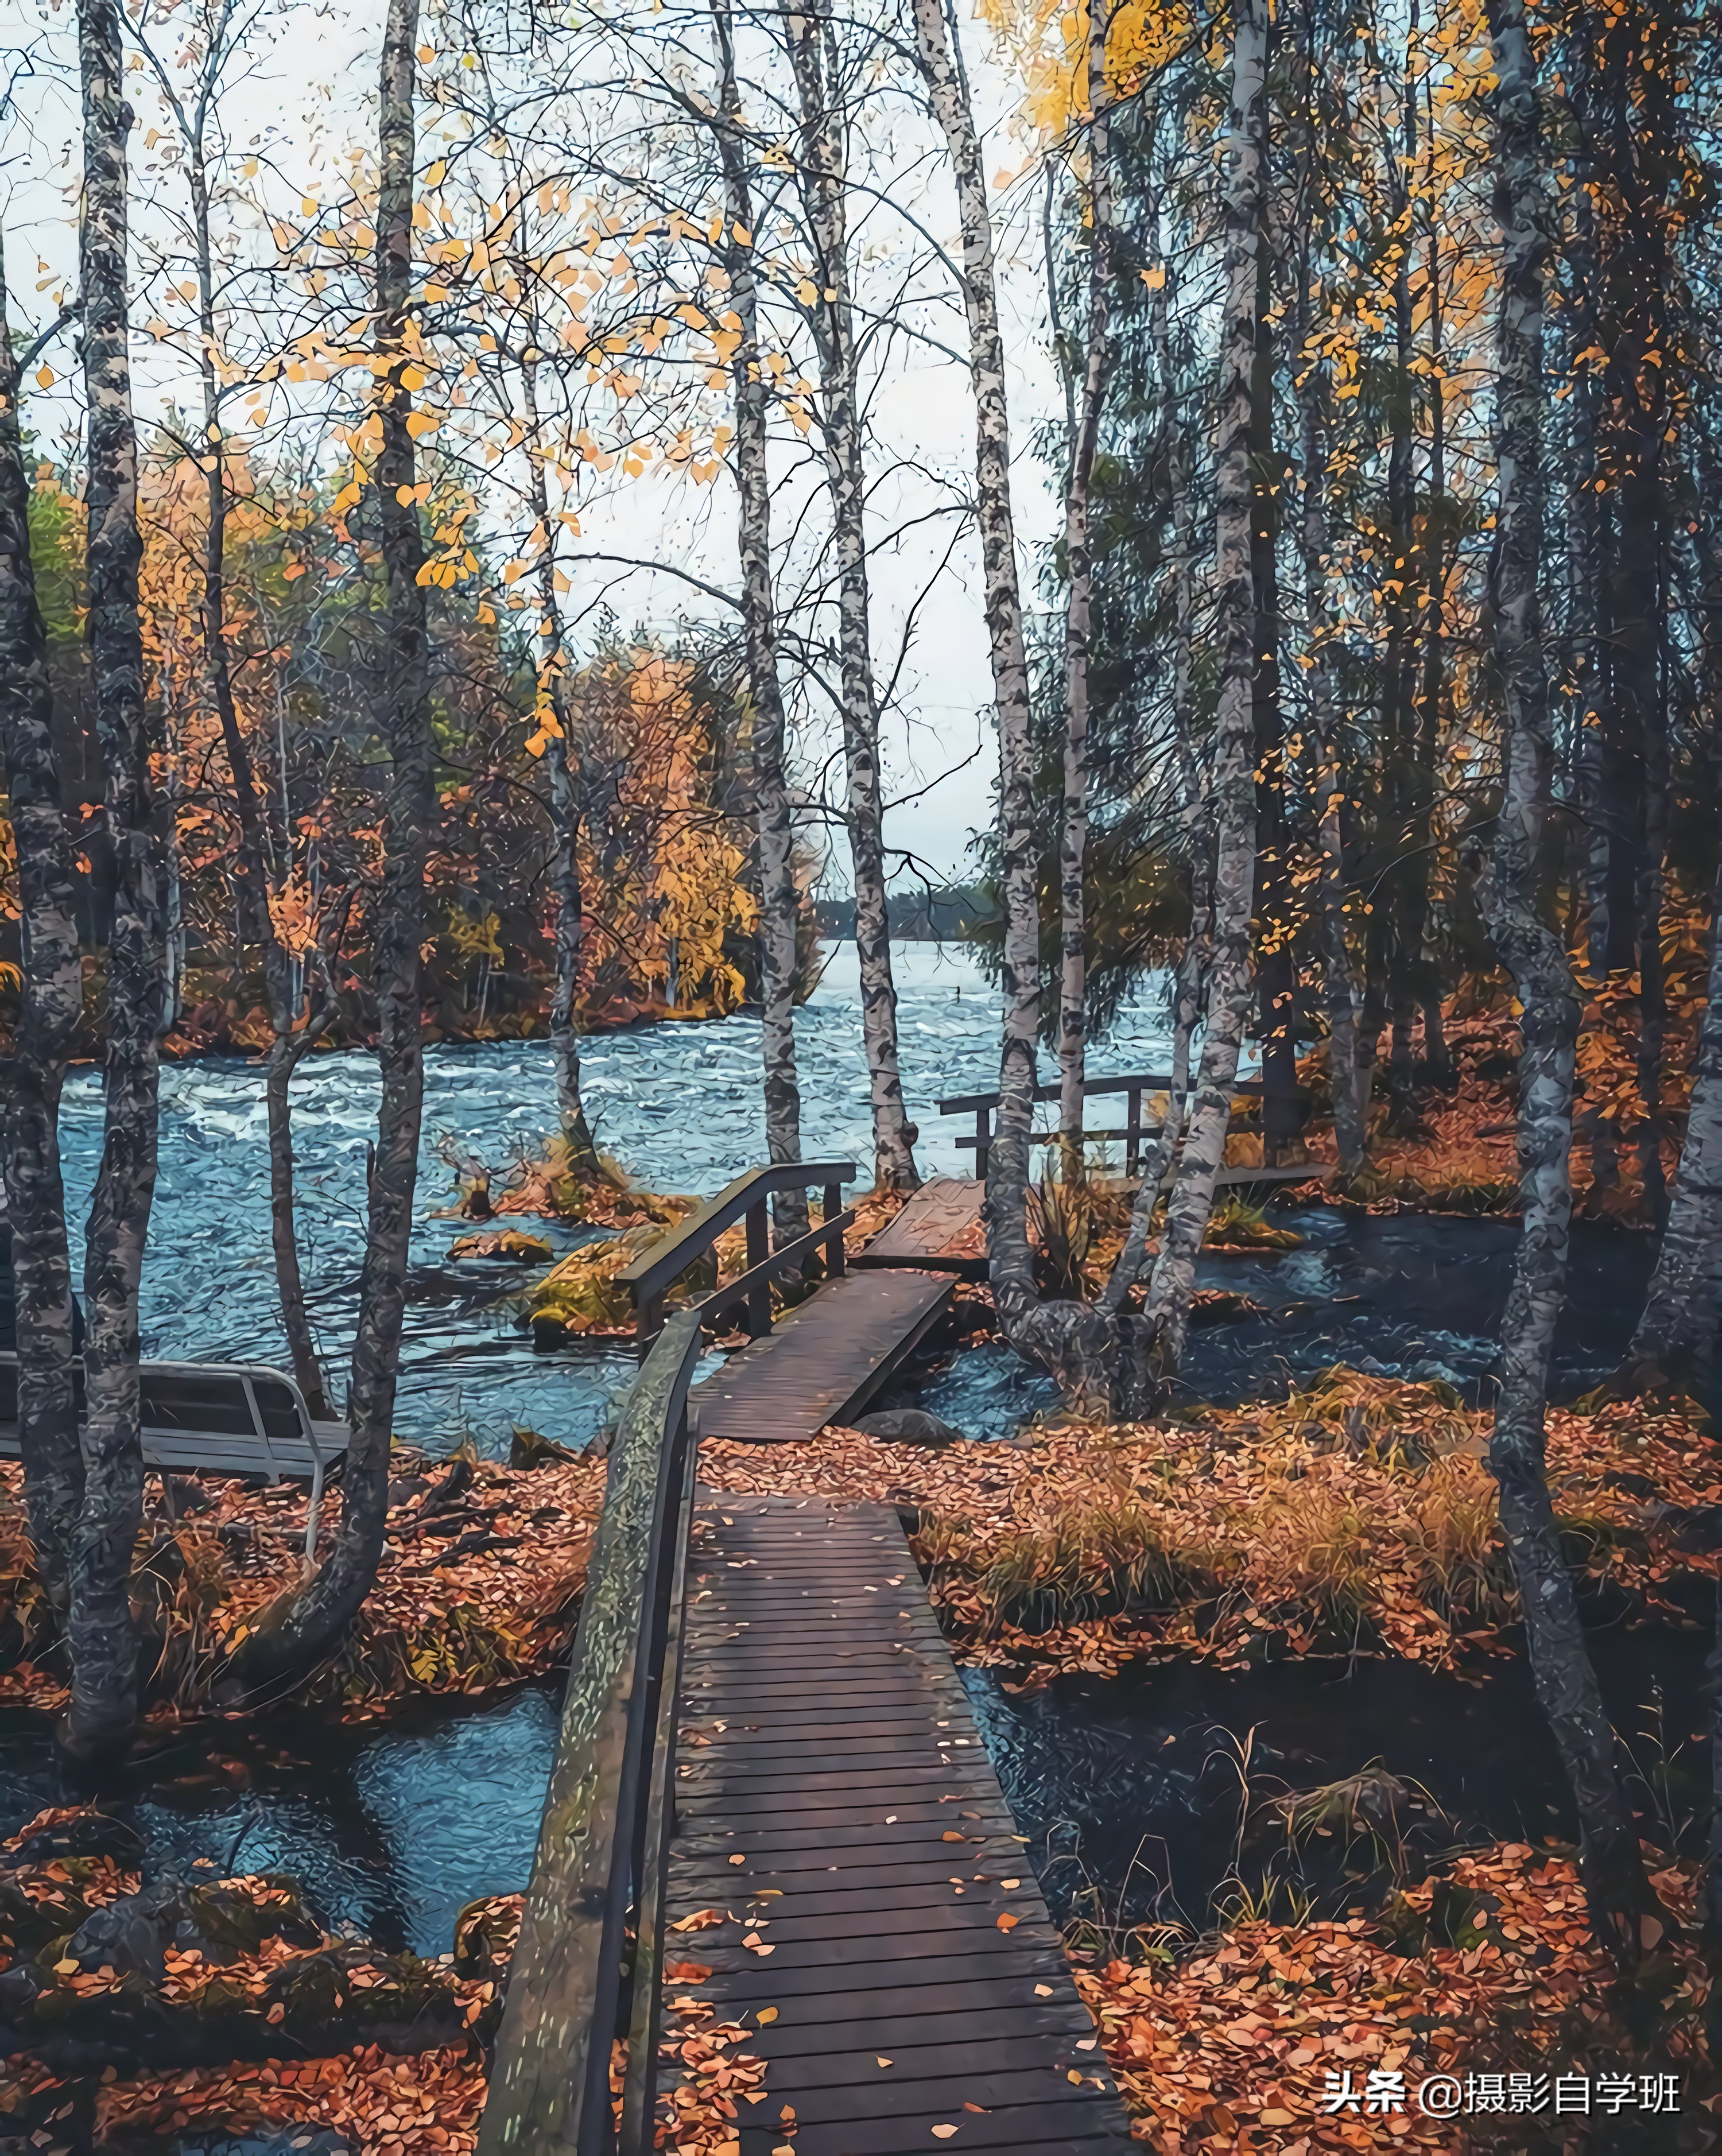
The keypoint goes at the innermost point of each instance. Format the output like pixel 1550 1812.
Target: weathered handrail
pixel 1134 1083
pixel 585 1976
pixel 650 1275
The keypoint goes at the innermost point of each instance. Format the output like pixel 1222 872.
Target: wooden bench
pixel 217 1419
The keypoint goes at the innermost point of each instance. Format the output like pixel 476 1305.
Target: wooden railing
pixel 651 1276
pixel 1133 1086
pixel 585 1972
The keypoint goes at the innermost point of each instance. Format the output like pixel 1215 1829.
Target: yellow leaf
pixel 943 2132
pixel 436 174
pixel 764 2014
pixel 423 423
pixel 426 53
pixel 44 377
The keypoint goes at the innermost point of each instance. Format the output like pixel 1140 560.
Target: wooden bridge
pixel 769 1781
pixel 767 1761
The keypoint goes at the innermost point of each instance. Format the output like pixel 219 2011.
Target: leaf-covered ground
pixel 99 1970
pixel 479 1587
pixel 1253 2039
pixel 1356 1516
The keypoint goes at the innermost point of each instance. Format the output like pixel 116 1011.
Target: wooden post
pixel 983 1132
pixel 647 1324
pixel 759 1249
pixel 1133 1133
pixel 834 1258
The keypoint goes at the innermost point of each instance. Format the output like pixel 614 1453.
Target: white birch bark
pixel 1173 1280
pixel 1610 1865
pixel 50 1003
pixel 1079 614
pixel 562 755
pixel 779 902
pixel 1009 1259
pixel 100 1630
pixel 824 160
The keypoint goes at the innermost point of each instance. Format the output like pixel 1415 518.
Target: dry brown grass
pixel 1355 1516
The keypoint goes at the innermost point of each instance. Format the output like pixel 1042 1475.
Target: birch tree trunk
pixel 45 1026
pixel 1674 1341
pixel 1078 614
pixel 104 1645
pixel 309 1627
pixel 564 793
pixel 779 902
pixel 1010 1262
pixel 1194 961
pixel 824 182
pixel 1339 993
pixel 1173 1281
pixel 257 845
pixel 1566 1686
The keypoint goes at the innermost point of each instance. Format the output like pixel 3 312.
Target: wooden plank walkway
pixel 823 1360
pixel 827 1743
pixel 939 1227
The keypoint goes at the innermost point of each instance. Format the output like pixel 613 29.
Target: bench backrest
pixel 224 1417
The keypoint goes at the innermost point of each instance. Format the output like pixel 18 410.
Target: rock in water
pixel 910 1426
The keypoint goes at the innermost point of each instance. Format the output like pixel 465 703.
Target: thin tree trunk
pixel 824 164
pixel 50 1005
pixel 1565 1681
pixel 314 1623
pixel 1010 1263
pixel 1173 1281
pixel 1195 959
pixel 1675 1338
pixel 1079 614
pixel 1438 1063
pixel 257 845
pixel 565 793
pixel 778 899
pixel 1127 1266
pixel 1400 727
pixel 1339 989
pixel 104 1645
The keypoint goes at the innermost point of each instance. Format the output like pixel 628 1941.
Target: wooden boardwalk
pixel 939 1227
pixel 823 1360
pixel 826 1742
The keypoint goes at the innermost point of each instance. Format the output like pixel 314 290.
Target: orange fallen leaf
pixel 701 1920
pixel 1008 1922
pixel 943 2132
pixel 766 2013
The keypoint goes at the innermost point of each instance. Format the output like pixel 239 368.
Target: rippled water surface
pixel 679 1105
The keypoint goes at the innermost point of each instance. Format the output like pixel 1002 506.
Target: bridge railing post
pixel 1132 1133
pixel 759 1249
pixel 983 1142
pixel 835 1259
